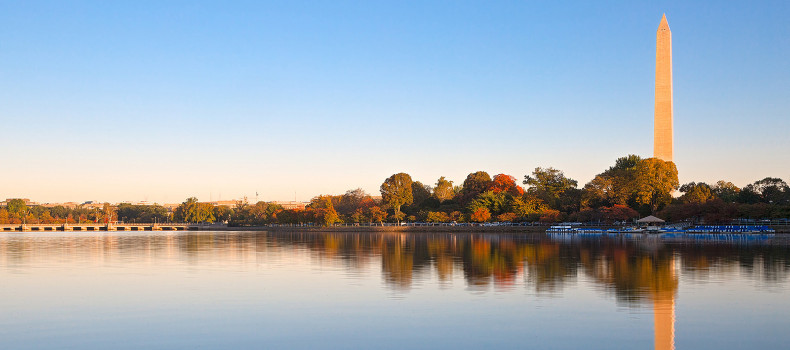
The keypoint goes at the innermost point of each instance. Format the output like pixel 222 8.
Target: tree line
pixel 16 211
pixel 631 188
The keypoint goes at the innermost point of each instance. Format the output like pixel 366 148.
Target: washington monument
pixel 662 119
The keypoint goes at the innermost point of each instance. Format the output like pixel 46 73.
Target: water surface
pixel 210 290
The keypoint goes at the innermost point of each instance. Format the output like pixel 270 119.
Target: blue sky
pixel 162 100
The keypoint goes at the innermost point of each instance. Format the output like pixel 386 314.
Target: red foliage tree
pixel 619 212
pixel 506 183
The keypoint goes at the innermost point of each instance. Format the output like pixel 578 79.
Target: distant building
pixel 291 205
pixel 92 205
pixel 171 206
pixel 70 205
pixel 231 203
pixel 27 201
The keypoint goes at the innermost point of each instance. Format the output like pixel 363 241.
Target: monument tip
pixel 664 23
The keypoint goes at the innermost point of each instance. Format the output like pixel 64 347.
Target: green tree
pixel 550 185
pixel 185 211
pixel 17 206
pixel 222 213
pixel 726 191
pixel 59 212
pixel 771 190
pixel 495 202
pixel 193 211
pixel 397 191
pixel 420 194
pixel 628 162
pixel 696 193
pixel 615 186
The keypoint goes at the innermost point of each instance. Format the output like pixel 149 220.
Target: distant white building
pixel 291 205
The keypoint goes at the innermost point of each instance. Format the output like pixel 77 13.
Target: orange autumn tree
pixel 506 183
pixel 480 215
pixel 376 214
pixel 324 212
pixel 550 215
pixel 507 217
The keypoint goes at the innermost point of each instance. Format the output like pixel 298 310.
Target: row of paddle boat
pixel 668 236
pixel 703 229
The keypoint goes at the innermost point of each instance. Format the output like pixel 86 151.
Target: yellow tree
pixel 655 181
pixel 437 216
pixel 528 207
pixel 443 190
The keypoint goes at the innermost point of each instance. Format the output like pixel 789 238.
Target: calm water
pixel 224 290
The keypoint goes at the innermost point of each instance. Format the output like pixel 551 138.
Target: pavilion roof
pixel 649 219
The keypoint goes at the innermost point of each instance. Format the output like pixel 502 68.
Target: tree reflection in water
pixel 635 271
pixel 643 272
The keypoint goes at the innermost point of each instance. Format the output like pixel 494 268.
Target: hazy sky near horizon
pixel 162 100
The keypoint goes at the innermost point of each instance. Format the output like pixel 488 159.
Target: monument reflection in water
pixel 638 273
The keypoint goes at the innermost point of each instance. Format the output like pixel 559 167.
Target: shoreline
pixel 418 229
pixel 783 229
pixel 404 229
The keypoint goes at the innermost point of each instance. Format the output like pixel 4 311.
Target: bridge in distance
pixel 100 227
